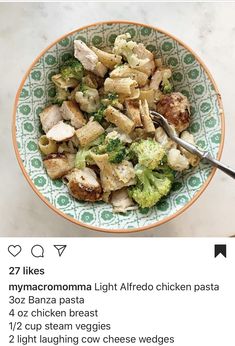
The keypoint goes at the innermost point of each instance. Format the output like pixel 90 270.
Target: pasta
pixel 149 96
pixel 47 146
pixel 98 135
pixel 146 119
pixel 119 119
pixel 62 83
pixel 108 59
pixel 88 133
pixel 125 71
pixel 133 112
pixel 120 85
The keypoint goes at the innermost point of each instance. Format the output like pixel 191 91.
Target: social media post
pixel 117 291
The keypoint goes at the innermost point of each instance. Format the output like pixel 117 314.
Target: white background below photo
pixel 190 294
pixel 27 28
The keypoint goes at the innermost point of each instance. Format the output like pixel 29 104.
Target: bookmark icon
pixel 60 249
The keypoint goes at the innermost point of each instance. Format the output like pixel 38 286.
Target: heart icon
pixel 14 250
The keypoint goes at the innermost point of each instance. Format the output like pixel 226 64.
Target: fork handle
pixel 206 156
pixel 218 164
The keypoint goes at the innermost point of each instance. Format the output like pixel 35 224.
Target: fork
pixel 205 155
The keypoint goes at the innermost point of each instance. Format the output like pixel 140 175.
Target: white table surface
pixel 27 28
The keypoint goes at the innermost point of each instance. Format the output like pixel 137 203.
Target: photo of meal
pixel 86 136
pixel 99 134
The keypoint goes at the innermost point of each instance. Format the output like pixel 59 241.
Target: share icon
pixel 60 249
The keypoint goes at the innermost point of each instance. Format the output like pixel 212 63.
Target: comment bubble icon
pixel 37 251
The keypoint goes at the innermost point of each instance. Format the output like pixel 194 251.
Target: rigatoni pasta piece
pixel 149 96
pixel 147 68
pixel 108 59
pixel 135 94
pixel 125 71
pixel 47 146
pixel 193 159
pixel 89 133
pixel 120 85
pixel 146 118
pixel 119 119
pixel 62 83
pixel 133 112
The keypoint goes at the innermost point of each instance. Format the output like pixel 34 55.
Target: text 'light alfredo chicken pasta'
pixel 99 136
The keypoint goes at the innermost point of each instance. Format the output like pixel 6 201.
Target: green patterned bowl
pixel 190 76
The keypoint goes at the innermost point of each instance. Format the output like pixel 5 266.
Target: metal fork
pixel 160 120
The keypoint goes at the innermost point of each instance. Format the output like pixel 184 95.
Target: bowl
pixel 190 76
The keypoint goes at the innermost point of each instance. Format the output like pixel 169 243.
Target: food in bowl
pixel 99 137
pixel 190 77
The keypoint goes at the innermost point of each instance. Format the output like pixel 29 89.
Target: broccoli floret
pixel 166 85
pixel 72 68
pixel 60 96
pixel 149 153
pixel 150 188
pixel 112 96
pixel 81 158
pixel 167 172
pixel 115 149
pixel 83 155
pixel 98 141
pixel 99 115
pixel 109 99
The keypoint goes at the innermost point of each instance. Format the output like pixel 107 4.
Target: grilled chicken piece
pixel 114 176
pixel 61 132
pixel 85 55
pixel 121 202
pixel 57 165
pixel 88 58
pixel 175 108
pixel 71 111
pixel 50 116
pixel 84 185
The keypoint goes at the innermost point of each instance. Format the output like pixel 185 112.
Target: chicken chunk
pixel 84 185
pixel 57 165
pixel 50 116
pixel 114 176
pixel 121 202
pixel 88 58
pixel 61 132
pixel 70 111
pixel 85 55
pixel 175 108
